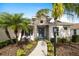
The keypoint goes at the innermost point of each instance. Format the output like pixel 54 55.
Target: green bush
pixel 49 44
pixel 29 46
pixel 49 48
pixel 3 43
pixel 61 40
pixel 50 54
pixel 37 38
pixel 75 38
pixel 52 40
pixel 6 42
pixel 47 41
pixel 20 52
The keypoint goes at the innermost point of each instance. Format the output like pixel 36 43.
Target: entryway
pixel 43 32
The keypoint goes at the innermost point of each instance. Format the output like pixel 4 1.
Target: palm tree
pixel 71 7
pixel 14 21
pixel 25 25
pixel 19 23
pixel 57 10
pixel 5 22
pixel 42 12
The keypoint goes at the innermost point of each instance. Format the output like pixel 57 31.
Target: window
pixel 41 21
pixel 75 32
pixel 65 28
pixel 56 29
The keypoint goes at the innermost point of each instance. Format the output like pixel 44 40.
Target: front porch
pixel 41 32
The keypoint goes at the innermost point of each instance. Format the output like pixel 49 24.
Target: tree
pixel 14 21
pixel 57 10
pixel 42 12
pixel 19 23
pixel 71 7
pixel 5 22
pixel 25 25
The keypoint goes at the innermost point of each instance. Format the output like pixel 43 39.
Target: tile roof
pixel 75 26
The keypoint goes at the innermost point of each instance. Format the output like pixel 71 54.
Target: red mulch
pixel 67 49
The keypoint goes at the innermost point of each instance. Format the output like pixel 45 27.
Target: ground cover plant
pixel 50 48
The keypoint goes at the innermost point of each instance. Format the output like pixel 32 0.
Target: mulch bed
pixel 9 50
pixel 67 49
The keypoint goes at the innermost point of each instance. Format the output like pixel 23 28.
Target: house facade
pixel 43 28
pixel 75 29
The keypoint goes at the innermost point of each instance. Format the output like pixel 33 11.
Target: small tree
pixel 42 12
pixel 5 22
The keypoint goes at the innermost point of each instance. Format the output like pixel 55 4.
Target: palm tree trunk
pixel 55 38
pixel 16 31
pixel 8 35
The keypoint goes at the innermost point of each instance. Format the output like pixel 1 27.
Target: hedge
pixel 6 42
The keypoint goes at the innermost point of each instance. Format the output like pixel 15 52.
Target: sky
pixel 30 9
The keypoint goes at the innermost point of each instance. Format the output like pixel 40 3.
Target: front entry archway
pixel 41 32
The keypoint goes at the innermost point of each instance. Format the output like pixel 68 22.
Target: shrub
pixel 47 41
pixel 33 42
pixel 52 39
pixel 20 52
pixel 61 40
pixel 75 38
pixel 37 38
pixel 6 42
pixel 29 46
pixel 50 54
pixel 49 48
pixel 49 44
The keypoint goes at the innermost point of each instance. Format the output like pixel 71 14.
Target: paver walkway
pixel 40 50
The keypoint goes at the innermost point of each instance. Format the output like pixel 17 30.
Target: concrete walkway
pixel 40 50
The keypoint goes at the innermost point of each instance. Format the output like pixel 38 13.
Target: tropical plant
pixel 14 21
pixel 71 8
pixel 5 22
pixel 42 12
pixel 20 52
pixel 57 10
pixel 19 23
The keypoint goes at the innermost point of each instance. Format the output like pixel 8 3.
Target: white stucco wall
pixel 51 32
pixel 62 32
pixel 77 31
pixel 72 32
